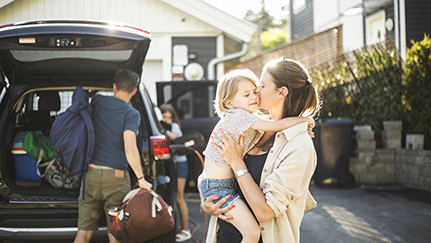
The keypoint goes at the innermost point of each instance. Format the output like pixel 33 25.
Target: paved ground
pixel 363 214
pixel 368 214
pixel 372 214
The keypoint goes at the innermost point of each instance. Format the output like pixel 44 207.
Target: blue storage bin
pixel 25 165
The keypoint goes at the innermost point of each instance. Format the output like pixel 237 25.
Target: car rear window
pixel 103 55
pixel 66 100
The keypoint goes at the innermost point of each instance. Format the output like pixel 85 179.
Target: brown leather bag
pixel 143 215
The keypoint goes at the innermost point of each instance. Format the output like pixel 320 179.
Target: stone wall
pixel 413 168
pixel 409 166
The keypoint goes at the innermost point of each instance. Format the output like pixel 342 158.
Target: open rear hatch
pixel 70 49
pixel 37 58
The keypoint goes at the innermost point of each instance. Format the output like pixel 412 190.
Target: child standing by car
pixel 236 102
pixel 170 118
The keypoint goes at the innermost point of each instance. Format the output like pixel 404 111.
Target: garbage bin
pixel 333 143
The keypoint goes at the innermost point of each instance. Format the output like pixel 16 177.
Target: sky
pixel 238 8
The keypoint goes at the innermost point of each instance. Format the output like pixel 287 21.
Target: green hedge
pixel 418 89
pixel 377 87
pixel 368 89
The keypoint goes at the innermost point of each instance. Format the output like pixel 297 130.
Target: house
pixel 364 22
pixel 190 38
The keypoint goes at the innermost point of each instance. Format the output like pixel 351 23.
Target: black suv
pixel 41 63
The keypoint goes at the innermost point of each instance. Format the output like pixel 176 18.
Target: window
pixel 103 55
pixel 191 99
pixel 65 100
pixel 299 6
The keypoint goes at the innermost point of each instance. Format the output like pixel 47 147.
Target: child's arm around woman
pixel 279 125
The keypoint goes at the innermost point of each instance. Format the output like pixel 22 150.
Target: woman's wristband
pixel 142 177
pixel 241 172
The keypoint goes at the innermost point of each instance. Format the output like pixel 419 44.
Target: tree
pixel 273 37
pixel 269 34
pixel 262 18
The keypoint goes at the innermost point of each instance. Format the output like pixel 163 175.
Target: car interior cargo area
pixel 34 111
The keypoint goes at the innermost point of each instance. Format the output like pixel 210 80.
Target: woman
pixel 274 175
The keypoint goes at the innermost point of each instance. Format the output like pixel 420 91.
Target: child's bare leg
pixel 244 221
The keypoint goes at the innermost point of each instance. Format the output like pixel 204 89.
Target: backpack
pixel 72 135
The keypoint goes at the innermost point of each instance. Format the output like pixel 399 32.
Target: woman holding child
pixel 273 177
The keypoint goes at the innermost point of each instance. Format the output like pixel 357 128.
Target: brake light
pixel 137 28
pixel 160 147
pixel 6 25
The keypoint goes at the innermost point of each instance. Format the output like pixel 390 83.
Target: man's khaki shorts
pixel 104 190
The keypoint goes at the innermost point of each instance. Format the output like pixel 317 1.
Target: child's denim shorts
pixel 181 169
pixel 222 187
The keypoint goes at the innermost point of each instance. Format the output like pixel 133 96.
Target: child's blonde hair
pixel 228 86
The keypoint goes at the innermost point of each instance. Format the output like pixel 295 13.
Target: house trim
pixel 5 2
pixel 236 28
pixel 403 33
pixel 397 24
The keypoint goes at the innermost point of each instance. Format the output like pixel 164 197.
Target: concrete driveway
pixel 373 214
pixel 368 214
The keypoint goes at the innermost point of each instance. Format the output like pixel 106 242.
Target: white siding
pixel 163 20
pixel 353 26
pixel 150 14
pixel 328 14
pixel 151 74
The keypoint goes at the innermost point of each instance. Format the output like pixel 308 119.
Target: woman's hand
pixel 229 149
pixel 214 209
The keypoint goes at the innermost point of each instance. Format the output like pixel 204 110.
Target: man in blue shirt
pixel 116 125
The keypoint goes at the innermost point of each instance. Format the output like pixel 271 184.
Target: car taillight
pixel 160 146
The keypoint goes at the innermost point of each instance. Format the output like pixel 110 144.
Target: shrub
pixel 418 89
pixel 368 90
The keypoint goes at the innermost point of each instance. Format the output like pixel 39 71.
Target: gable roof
pixel 5 2
pixel 238 29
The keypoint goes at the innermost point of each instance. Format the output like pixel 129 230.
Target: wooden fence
pixel 318 51
pixel 311 51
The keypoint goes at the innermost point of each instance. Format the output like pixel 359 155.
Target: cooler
pixel 25 165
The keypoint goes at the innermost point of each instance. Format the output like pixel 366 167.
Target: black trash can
pixel 333 143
